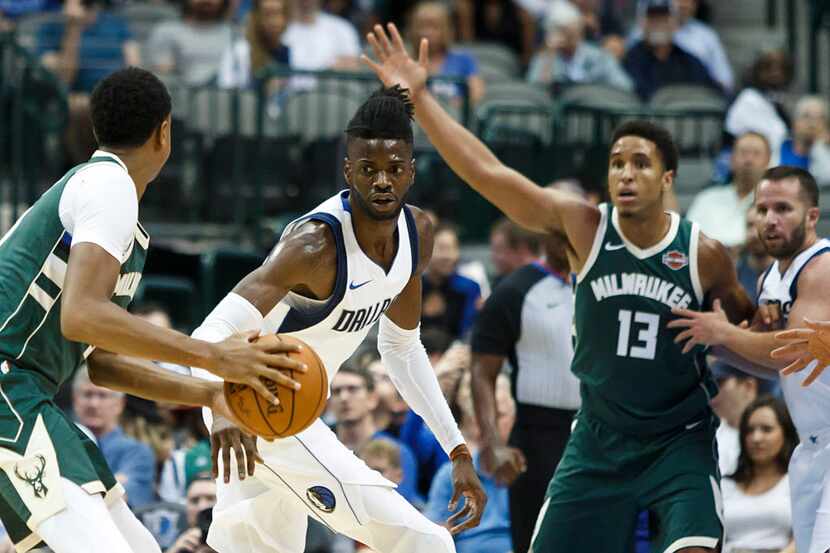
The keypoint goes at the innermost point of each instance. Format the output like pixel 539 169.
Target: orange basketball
pixel 297 409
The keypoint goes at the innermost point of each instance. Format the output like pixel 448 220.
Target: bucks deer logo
pixel 34 476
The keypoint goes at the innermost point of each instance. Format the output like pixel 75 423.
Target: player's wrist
pixel 461 452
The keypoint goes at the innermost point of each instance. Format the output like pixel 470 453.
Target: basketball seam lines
pixel 303 501
pixel 293 404
pixel 264 416
pixel 339 483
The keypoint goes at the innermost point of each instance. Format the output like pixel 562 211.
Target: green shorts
pixel 39 445
pixel 605 479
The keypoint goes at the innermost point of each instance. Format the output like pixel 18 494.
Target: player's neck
pixel 784 263
pixel 645 231
pixel 356 433
pixel 137 167
pixel 376 237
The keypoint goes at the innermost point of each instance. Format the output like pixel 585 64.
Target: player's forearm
pixel 483 384
pixel 755 347
pixel 147 380
pixel 733 359
pixel 473 161
pixel 107 326
pixel 67 68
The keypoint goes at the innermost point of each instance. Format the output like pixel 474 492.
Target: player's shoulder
pixel 813 274
pixel 308 242
pixel 426 234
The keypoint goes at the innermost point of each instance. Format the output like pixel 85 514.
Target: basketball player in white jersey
pixel 786 200
pixel 354 260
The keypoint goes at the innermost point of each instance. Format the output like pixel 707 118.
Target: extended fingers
pixel 793 348
pixel 795 334
pixel 383 41
pixel 680 323
pixel 226 458
pixel 813 375
pixel 263 390
pixel 397 41
pixel 797 365
pixel 423 52
pixel 239 453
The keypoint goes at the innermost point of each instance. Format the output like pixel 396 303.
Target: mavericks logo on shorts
pixel 33 475
pixel 322 498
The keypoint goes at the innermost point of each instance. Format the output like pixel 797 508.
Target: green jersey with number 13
pixel 633 376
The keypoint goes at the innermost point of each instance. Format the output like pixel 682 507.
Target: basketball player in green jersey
pixel 68 268
pixel 644 438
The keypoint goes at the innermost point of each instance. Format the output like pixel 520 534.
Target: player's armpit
pixel 719 280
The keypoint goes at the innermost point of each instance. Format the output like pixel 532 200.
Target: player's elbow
pixel 74 322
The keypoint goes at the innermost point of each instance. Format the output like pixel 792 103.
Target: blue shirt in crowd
pixel 492 535
pixel 135 461
pixel 408 487
pixel 456 64
pixel 790 157
pixel 428 452
pixel 14 9
pixel 101 51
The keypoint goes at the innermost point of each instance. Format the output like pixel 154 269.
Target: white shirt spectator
pixel 756 522
pixel 721 214
pixel 320 44
pixel 192 51
pixel 729 448
pixel 752 111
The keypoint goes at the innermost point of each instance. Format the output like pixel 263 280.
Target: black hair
pixel 436 340
pixel 661 138
pixel 746 470
pixel 127 106
pixel 362 372
pixel 223 11
pixel 809 188
pixel 387 113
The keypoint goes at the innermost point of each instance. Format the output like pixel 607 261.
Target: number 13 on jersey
pixel 646 325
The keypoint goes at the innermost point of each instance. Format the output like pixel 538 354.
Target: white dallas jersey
pixel 810 406
pixel 336 326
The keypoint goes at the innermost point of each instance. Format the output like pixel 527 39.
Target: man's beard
pixel 369 209
pixel 790 247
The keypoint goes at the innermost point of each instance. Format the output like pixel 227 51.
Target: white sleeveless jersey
pixel 363 291
pixel 810 406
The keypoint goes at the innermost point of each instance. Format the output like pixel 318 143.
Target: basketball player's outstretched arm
pixel 404 357
pixel 88 315
pixel 527 204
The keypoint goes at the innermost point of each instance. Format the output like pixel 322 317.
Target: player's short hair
pixel 745 472
pixel 516 236
pixel 387 113
pixel 661 138
pixel 381 448
pixel 807 182
pixel 362 372
pixel 127 106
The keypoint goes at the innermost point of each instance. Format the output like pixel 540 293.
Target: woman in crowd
pixel 260 47
pixel 756 498
pixel 432 20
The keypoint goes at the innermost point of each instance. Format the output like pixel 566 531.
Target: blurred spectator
pixel 319 40
pixel 393 11
pixel 808 148
pixel 700 40
pixel 191 48
pixel 736 391
pixel 86 46
pixel 391 410
pixel 450 301
pixel 656 61
pixel 721 210
pixel 153 313
pixel 201 497
pixel 527 322
pixel 132 462
pixel 603 25
pixel 497 21
pixel 384 456
pixel 12 10
pixel 353 401
pixel 492 535
pixel 566 57
pixel 431 20
pixel 753 258
pixel 756 498
pixel 512 247
pixel 359 13
pixel 260 47
pixel 758 107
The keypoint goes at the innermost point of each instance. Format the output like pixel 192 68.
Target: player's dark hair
pixel 362 372
pixel 661 138
pixel 127 107
pixel 436 340
pixel 745 472
pixel 516 236
pixel 387 113
pixel 809 188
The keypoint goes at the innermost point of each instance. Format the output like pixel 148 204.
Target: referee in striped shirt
pixel 527 321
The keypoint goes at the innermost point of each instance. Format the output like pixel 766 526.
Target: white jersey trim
pixel 694 267
pixel 640 253
pixel 599 238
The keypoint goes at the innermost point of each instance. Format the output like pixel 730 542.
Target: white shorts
pixel 314 475
pixel 810 493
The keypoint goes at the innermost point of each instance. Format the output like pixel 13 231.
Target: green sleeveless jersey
pixel 633 376
pixel 33 262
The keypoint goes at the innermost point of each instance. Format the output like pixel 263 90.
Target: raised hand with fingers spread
pixel 809 344
pixel 395 65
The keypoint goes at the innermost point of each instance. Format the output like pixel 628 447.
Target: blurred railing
pixel 33 114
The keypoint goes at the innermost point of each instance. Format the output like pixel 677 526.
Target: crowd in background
pixel 472 311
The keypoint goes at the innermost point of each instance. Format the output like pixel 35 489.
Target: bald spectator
pixel 567 58
pixel 808 147
pixel 656 61
pixel 512 247
pixel 319 40
pixel 99 409
pixel 721 210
